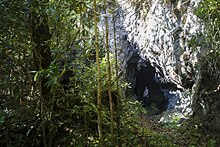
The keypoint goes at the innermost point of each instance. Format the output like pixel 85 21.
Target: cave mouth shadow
pixel 149 85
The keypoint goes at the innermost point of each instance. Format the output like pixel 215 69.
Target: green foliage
pixel 209 14
pixel 131 134
pixel 71 28
pixel 15 47
pixel 211 143
pixel 70 109
pixel 172 122
pixel 208 10
pixel 207 45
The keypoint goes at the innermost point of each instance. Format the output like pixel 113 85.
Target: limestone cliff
pixel 154 53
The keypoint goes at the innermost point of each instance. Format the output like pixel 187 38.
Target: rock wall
pixel 152 38
pixel 157 62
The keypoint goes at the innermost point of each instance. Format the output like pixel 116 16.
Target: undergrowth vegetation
pixel 66 115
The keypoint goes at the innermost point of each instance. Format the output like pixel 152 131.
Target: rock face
pixel 152 39
pixel 154 54
pixel 162 70
pixel 158 64
pixel 206 102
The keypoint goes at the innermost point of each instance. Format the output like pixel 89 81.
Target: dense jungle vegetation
pixel 60 85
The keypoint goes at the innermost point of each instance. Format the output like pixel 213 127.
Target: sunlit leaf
pixel 36 76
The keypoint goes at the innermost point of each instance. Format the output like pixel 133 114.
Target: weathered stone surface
pixel 155 52
pixel 157 62
pixel 206 102
pixel 152 38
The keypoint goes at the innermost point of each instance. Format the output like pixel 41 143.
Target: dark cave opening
pixel 149 87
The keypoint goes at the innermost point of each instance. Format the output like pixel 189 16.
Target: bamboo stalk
pixel 99 102
pixel 118 123
pixel 109 74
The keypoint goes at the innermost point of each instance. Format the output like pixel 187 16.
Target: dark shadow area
pixel 148 85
